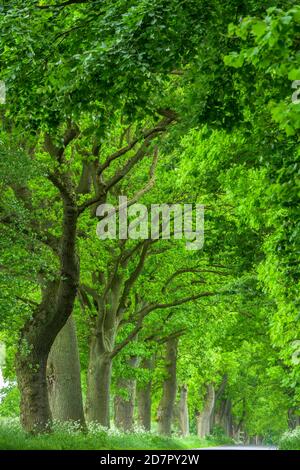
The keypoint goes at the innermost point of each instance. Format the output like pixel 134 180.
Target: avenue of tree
pixel 162 102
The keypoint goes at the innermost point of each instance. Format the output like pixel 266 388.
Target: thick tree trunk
pixel 40 331
pixel 183 412
pixel 34 407
pixel 98 384
pixel 223 417
pixel 85 181
pixel 63 376
pixel 293 419
pixel 215 415
pixel 204 417
pixel 227 418
pixel 124 405
pixel 144 399
pixel 102 346
pixel 166 406
pixel 144 406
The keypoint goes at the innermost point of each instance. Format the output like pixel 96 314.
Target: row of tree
pixel 106 100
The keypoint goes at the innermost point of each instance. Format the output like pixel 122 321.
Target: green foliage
pixel 67 437
pixel 218 435
pixel 10 401
pixel 226 69
pixel 290 440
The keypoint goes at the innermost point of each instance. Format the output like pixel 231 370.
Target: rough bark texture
pixel 98 384
pixel 204 417
pixel 63 376
pixel 124 402
pixel 183 411
pixel 102 346
pixel 84 185
pixel 144 399
pixel 225 416
pixel 293 418
pixel 166 406
pixel 40 331
pixel 218 395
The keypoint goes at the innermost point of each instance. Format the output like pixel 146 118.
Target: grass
pixel 64 437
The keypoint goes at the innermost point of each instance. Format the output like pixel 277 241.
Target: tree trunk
pixel 124 405
pixel 204 417
pixel 144 399
pixel 63 376
pixel 227 418
pixel 40 331
pixel 215 415
pixel 183 412
pixel 293 419
pixel 166 406
pixel 34 406
pixel 98 384
pixel 102 346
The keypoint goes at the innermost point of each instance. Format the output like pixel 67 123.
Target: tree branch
pixel 177 302
pixel 64 4
pixel 133 277
pixel 160 127
pixel 191 270
pixel 27 301
pixel 127 340
pixel 71 133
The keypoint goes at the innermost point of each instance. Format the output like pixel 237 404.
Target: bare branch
pixel 191 270
pixel 160 127
pixel 135 197
pixel 89 290
pixel 27 301
pixel 56 152
pixel 177 302
pixel 131 162
pixel 133 277
pixel 127 340
pixel 65 192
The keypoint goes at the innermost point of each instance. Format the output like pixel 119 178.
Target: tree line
pixel 161 102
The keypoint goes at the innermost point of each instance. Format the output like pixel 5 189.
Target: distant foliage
pixel 218 435
pixel 290 440
pixel 10 401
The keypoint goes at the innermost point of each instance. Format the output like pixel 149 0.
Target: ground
pixel 13 438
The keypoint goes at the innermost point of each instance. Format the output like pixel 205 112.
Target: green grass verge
pixel 290 440
pixel 64 438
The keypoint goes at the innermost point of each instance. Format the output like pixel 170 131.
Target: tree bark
pixel 84 184
pixel 293 419
pixel 218 395
pixel 34 406
pixel 102 346
pixel 63 377
pixel 98 384
pixel 166 406
pixel 204 417
pixel 183 411
pixel 124 405
pixel 144 399
pixel 226 417
pixel 40 331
